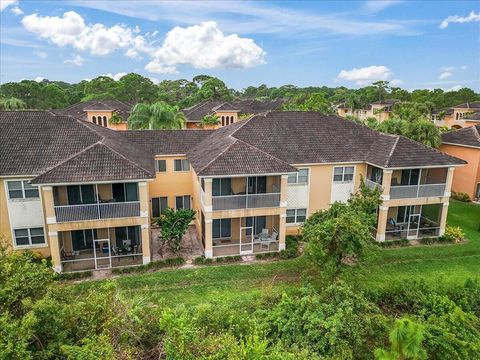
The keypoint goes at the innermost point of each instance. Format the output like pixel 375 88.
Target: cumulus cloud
pixel 366 75
pixel 204 46
pixel 6 3
pixel 16 10
pixel 455 88
pixel 444 75
pixel 472 17
pixel 117 76
pixel 39 79
pixel 71 30
pixel 396 82
pixel 76 60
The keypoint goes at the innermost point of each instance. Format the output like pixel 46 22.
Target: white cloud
pixel 71 30
pixel 374 6
pixel 455 88
pixel 472 17
pixel 396 82
pixel 117 76
pixel 463 67
pixel 154 80
pixel 205 46
pixel 6 3
pixel 40 54
pixel 445 75
pixel 76 60
pixel 39 79
pixel 16 11
pixel 366 75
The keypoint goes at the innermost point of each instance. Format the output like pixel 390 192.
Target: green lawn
pixel 434 263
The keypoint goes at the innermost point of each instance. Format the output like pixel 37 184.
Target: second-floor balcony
pixel 245 192
pixel 410 183
pixel 96 202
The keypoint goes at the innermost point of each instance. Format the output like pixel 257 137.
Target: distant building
pixel 465 144
pixel 100 112
pixel 459 116
pixel 379 110
pixel 228 112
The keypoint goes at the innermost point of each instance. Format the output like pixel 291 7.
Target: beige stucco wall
pixel 465 177
pixel 122 126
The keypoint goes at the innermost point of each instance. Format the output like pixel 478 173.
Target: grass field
pixel 433 263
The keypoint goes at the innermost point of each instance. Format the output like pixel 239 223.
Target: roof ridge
pixel 216 157
pixel 476 132
pixel 124 157
pixel 392 150
pixel 264 152
pixel 264 114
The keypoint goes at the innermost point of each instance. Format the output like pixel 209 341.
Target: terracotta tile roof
pixel 79 110
pixel 469 136
pixel 468 105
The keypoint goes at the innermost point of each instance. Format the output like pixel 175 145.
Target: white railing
pixel 372 184
pixel 67 213
pixel 232 202
pixel 416 191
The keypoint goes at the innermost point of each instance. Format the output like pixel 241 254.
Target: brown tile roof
pixel 469 136
pixel 45 144
pixel 246 106
pixel 474 116
pixel 79 110
pixel 468 105
pixel 310 137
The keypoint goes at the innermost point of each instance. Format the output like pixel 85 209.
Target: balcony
pixel 96 201
pixel 66 213
pixel 245 192
pixel 232 202
pixel 416 191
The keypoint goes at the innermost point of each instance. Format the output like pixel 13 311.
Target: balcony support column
pixel 48 203
pixel 283 190
pixel 208 194
pixel 144 200
pixel 443 219
pixel 55 251
pixel 448 181
pixel 282 230
pixel 386 183
pixel 382 223
pixel 208 237
pixel 145 233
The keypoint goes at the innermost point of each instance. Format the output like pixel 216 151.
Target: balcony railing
pixel 82 212
pixel 232 202
pixel 372 184
pixel 416 191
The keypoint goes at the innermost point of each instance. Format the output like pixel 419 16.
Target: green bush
pixel 395 243
pixel 454 234
pixel 461 196
pixel 158 264
pixel 201 260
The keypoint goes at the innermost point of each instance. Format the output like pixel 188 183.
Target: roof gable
pixel 469 136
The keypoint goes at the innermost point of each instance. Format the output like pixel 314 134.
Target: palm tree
pixel 157 116
pixel 405 342
pixel 12 104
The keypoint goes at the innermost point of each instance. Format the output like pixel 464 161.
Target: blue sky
pixel 410 43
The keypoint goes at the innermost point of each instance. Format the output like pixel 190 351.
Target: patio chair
pixel 67 255
pixel 116 252
pixel 264 239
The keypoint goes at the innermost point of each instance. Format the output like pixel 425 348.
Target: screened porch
pixel 93 249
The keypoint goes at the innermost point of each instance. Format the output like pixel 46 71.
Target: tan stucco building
pixel 87 200
pixel 459 116
pixel 380 110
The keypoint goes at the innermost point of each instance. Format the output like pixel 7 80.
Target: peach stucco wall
pixel 465 177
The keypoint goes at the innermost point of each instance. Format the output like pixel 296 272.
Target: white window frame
pixel 22 183
pixel 183 201
pixel 295 216
pixel 290 176
pixel 343 181
pixel 157 167
pixel 182 165
pixel 30 244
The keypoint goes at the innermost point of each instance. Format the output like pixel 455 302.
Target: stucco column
pixel 145 233
pixel 144 201
pixel 382 222
pixel 208 194
pixel 282 231
pixel 208 238
pixel 386 183
pixel 48 204
pixel 443 219
pixel 283 191
pixel 449 180
pixel 55 251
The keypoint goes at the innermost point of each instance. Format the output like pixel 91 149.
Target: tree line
pixel 135 88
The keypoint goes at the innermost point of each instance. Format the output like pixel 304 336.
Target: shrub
pixel 74 275
pixel 454 234
pixel 395 243
pixel 173 226
pixel 158 264
pixel 460 196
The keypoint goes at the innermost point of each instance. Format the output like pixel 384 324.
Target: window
pixel 410 177
pixel 182 165
pixel 21 190
pixel 343 173
pixel 94 119
pixel 296 216
pixel 222 187
pixel 159 205
pixel 83 239
pixel 105 121
pixel 300 177
pixel 257 185
pixel 29 237
pixel 128 235
pixel 221 228
pixel 125 192
pixel 376 175
pixel 81 194
pixel 403 213
pixel 182 202
pixel 257 222
pixel 160 165
pixel 477 192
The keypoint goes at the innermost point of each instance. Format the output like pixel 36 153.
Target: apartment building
pixel 100 112
pixel 465 144
pixel 228 112
pixel 85 195
pixel 379 110
pixel 459 116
